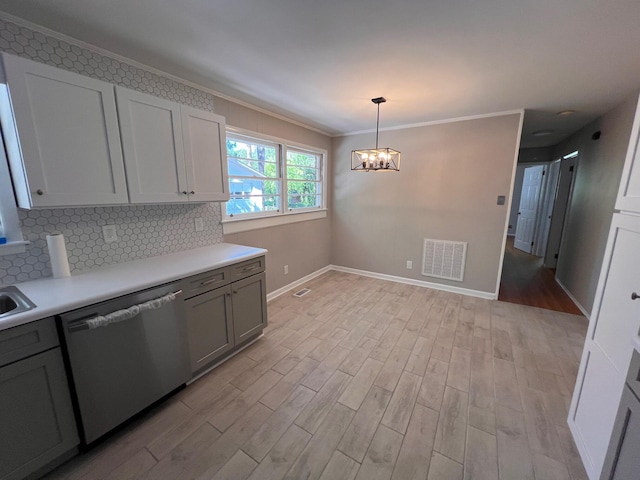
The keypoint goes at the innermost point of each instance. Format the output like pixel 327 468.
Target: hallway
pixel 526 282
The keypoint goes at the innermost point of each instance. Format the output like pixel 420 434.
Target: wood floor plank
pixel 316 379
pixel 419 358
pixel 319 450
pixel 381 456
pixel 278 423
pixel 239 467
pixel 452 425
pixel 541 432
pixel 443 468
pixel 248 377
pixel 281 457
pixel 392 369
pixel 571 455
pixel 135 467
pixel 459 369
pixel 514 457
pixel 243 402
pixel 481 458
pixel 359 433
pixel 402 402
pixel 340 467
pixel 430 394
pixel 358 388
pixel 415 454
pixel 323 402
pixel 289 362
pixel 287 384
pixel 358 356
pixel 549 469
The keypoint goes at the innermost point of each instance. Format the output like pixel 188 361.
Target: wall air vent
pixel 444 259
pixel 301 293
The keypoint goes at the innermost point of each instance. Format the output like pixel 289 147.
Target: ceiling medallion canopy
pixel 376 159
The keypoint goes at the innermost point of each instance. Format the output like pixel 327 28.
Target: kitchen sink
pixel 13 301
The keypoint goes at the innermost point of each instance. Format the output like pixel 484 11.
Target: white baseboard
pixel 419 283
pixel 580 307
pixel 281 291
pixel 381 276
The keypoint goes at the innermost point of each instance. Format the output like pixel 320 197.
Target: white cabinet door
pixel 205 155
pixel 152 146
pixel 615 321
pixel 61 131
pixel 629 192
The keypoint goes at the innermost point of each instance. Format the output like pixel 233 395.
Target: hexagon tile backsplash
pixel 143 230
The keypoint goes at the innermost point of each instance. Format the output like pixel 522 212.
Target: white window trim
pixel 8 211
pixel 270 219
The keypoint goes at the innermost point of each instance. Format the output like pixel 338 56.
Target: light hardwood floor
pixel 367 379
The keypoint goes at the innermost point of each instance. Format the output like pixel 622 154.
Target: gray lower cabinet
pixel 248 298
pixel 623 459
pixel 210 326
pixel 225 308
pixel 36 416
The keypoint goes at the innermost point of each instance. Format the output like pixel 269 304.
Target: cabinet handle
pixel 251 267
pixel 192 192
pixel 235 292
pixel 634 296
pixel 207 282
pixel 184 192
pixel 39 192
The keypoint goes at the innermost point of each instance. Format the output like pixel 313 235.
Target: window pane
pixel 302 173
pixel 252 159
pixel 302 159
pixel 302 188
pixel 303 201
pixel 253 204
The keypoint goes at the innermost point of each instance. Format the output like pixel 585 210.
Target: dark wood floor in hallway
pixel 526 281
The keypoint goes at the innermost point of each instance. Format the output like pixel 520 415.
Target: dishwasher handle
pixel 122 315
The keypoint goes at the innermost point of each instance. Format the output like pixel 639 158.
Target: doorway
pixel 543 198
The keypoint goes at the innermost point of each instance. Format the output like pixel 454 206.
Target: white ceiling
pixel 320 62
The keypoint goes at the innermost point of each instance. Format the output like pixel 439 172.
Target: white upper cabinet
pixel 152 145
pixel 173 153
pixel 629 193
pixel 205 153
pixel 61 132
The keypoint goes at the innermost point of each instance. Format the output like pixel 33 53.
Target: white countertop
pixel 53 296
pixel 636 343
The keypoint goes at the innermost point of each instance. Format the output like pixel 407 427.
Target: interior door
pixel 560 207
pixel 546 208
pixel 528 211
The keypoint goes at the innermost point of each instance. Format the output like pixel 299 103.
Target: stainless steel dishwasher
pixel 125 354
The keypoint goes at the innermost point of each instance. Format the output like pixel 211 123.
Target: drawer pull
pixel 634 296
pixel 207 282
pixel 251 267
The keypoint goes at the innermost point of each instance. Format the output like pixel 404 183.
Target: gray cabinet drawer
pixel 26 340
pixel 206 281
pixel 247 268
pixel 633 375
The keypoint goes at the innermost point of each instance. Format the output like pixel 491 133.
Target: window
pixel 8 212
pixel 270 177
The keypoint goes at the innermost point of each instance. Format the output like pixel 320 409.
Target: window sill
pixel 11 248
pixel 237 225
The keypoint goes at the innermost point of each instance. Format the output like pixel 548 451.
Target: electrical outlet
pixel 409 264
pixel 286 269
pixel 110 233
pixel 199 224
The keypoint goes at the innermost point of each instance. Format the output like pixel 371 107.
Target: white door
pixel 560 209
pixel 546 208
pixel 205 155
pixel 153 148
pixel 529 200
pixel 66 136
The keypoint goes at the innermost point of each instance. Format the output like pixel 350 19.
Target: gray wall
pixel 596 186
pixel 303 246
pixel 446 189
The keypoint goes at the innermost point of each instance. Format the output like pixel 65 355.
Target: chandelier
pixel 376 159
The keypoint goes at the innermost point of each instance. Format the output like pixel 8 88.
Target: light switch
pixel 501 199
